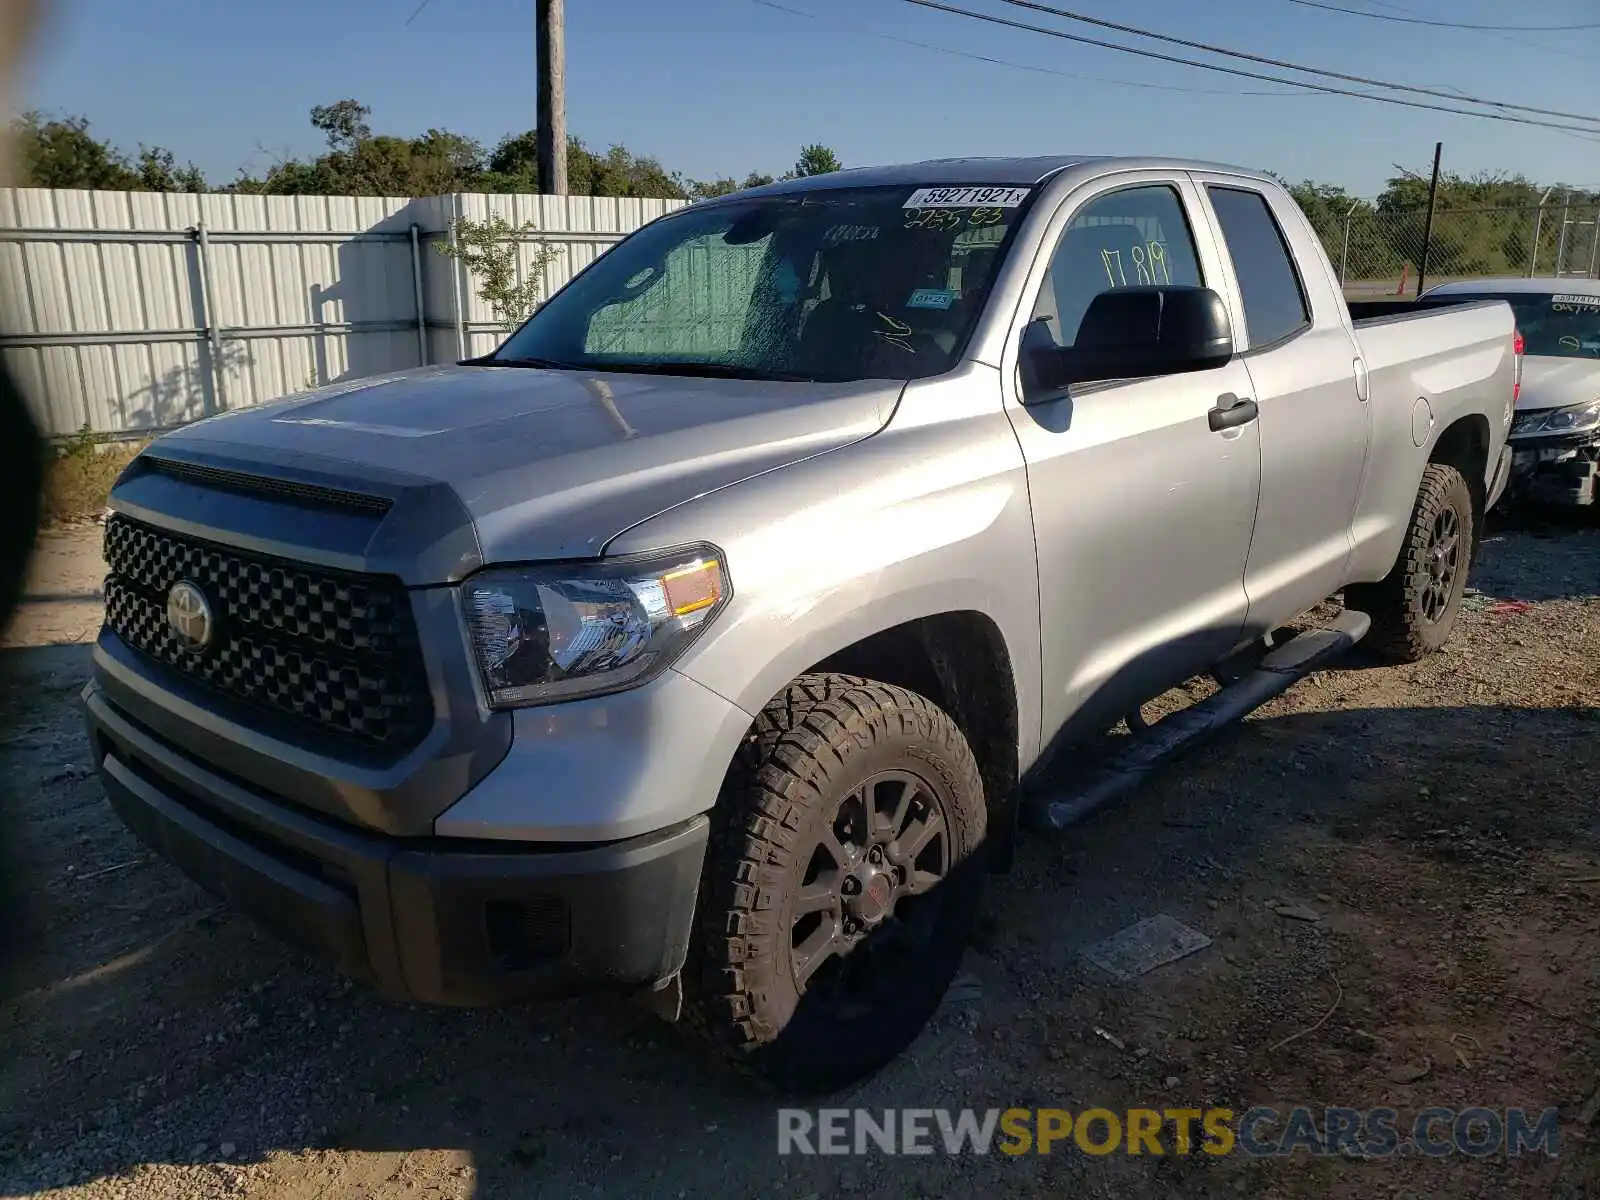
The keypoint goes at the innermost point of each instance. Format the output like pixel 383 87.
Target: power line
pixel 1356 12
pixel 1586 132
pixel 1016 66
pixel 1277 62
pixel 1503 37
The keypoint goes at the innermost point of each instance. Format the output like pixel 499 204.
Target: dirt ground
pixel 1439 822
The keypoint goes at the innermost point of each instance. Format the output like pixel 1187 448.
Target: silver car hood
pixel 540 464
pixel 1549 382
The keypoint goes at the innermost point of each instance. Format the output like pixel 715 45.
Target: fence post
pixel 1538 225
pixel 1561 242
pixel 1427 228
pixel 456 267
pixel 1594 245
pixel 416 284
pixel 208 305
pixel 1344 253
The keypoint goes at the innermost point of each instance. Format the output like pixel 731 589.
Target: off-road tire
pixel 811 746
pixel 1401 630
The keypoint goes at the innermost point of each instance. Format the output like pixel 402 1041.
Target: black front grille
pixel 332 648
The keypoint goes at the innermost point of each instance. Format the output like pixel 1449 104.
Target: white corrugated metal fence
pixel 137 311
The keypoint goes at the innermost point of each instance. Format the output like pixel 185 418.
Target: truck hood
pixel 1549 382
pixel 544 464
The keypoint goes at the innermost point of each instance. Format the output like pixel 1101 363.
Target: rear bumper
pixel 442 921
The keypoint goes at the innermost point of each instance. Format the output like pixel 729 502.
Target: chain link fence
pixel 1379 253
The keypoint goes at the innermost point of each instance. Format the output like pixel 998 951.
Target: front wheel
pixel 1414 607
pixel 842 882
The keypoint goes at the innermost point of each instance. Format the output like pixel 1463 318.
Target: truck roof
pixel 1540 286
pixel 1016 172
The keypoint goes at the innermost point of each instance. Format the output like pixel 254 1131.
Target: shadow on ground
pixel 183 1036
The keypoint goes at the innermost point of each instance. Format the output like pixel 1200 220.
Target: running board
pixel 1154 745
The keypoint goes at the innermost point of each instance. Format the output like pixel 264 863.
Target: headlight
pixel 1579 418
pixel 543 634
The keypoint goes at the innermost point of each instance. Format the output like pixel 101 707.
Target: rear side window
pixel 1274 302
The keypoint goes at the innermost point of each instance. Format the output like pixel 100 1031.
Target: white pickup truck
pixel 698 642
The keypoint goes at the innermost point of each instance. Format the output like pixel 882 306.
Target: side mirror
pixel 1134 333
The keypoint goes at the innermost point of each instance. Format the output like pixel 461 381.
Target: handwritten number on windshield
pixel 943 219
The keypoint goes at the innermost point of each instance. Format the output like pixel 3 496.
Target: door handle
pixel 1231 412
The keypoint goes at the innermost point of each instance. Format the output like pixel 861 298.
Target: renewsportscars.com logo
pixel 1259 1132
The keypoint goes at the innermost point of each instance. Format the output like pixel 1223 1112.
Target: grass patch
pixel 79 476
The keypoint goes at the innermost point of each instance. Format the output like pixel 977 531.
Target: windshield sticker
pixel 967 197
pixel 1568 303
pixel 850 233
pixel 931 298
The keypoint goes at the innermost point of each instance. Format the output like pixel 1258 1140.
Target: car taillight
pixel 1516 378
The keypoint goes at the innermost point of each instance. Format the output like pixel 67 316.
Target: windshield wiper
pixel 705 370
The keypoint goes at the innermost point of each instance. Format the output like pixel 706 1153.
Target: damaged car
pixel 1555 435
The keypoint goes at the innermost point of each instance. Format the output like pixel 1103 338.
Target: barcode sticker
pixel 967 197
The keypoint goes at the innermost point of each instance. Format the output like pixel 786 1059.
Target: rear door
pixel 1142 512
pixel 1290 323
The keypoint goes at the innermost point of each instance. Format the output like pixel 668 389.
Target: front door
pixel 1142 512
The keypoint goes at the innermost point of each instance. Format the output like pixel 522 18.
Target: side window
pixel 1274 302
pixel 1123 239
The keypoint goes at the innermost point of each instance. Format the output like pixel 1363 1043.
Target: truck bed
pixel 1424 361
pixel 1372 312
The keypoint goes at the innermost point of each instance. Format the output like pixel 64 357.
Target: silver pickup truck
pixel 699 641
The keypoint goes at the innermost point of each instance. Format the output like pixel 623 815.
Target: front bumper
pixel 434 920
pixel 1557 470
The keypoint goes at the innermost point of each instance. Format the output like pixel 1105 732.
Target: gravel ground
pixel 1438 821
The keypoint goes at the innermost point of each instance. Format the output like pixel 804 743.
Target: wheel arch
pixel 960 661
pixel 1464 445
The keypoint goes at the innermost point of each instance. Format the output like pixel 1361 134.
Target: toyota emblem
pixel 189 616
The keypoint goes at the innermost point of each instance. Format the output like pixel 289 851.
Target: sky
pixel 722 87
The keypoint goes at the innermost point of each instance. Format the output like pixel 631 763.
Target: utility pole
pixel 552 110
pixel 1427 229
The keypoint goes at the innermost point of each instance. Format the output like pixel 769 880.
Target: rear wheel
pixel 842 883
pixel 1414 607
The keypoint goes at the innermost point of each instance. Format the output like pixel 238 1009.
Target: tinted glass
pixel 842 284
pixel 1274 305
pixel 1553 325
pixel 1136 236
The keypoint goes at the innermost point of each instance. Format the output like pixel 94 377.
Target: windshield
pixel 853 283
pixel 1555 325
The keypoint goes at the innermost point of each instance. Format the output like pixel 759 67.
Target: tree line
pixel 62 152
pixel 1484 225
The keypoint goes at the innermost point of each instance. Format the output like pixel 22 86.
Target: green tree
pixel 618 172
pixel 815 159
pixel 706 189
pixel 158 171
pixel 60 152
pixel 490 250
pixel 344 122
